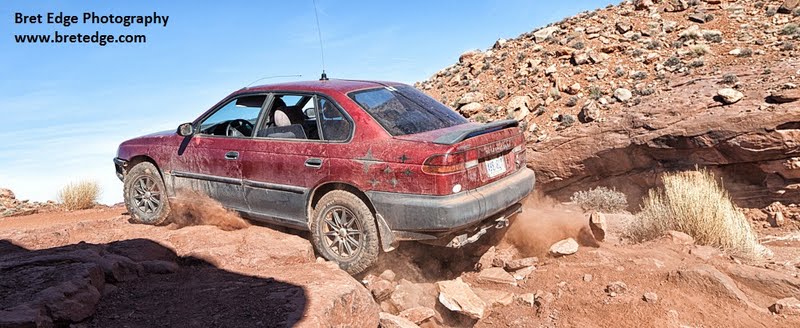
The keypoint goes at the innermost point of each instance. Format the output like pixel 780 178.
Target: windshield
pixel 403 110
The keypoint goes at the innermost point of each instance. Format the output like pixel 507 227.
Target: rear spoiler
pixel 461 135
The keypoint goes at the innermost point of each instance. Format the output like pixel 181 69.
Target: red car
pixel 361 164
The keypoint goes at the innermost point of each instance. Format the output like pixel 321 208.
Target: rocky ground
pixel 615 96
pixel 11 206
pixel 92 268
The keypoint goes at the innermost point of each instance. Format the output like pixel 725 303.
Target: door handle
pixel 232 155
pixel 314 163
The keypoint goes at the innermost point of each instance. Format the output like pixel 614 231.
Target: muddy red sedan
pixel 362 165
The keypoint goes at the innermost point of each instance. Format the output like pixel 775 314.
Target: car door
pixel 210 161
pixel 280 172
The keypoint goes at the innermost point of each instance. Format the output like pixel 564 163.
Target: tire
pixel 145 195
pixel 359 249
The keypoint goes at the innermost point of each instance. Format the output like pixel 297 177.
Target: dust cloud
pixel 543 222
pixel 192 208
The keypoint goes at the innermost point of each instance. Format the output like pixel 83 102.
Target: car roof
pixel 335 85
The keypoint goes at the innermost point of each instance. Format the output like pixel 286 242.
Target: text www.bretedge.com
pixel 96 38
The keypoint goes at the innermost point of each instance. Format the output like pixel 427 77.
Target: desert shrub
pixel 730 79
pixel 619 71
pixel 572 101
pixel 796 12
pixel 697 63
pixel 600 199
pixel 578 45
pixel 639 75
pixel 567 120
pixel 694 202
pixel 595 93
pixel 771 11
pixel 789 29
pixel 672 61
pixel 645 91
pixel 787 46
pixel 712 37
pixel 700 50
pixel 80 195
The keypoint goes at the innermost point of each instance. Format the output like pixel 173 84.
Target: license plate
pixel 495 167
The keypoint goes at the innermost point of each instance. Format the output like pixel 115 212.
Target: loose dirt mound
pixel 191 208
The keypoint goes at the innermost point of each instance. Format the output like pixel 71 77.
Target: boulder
pixel 564 247
pixel 458 297
pixel 409 295
pixel 598 225
pixel 392 321
pixel 497 275
pixel 521 263
pixel 789 306
pixel 785 96
pixel 418 315
pixel 650 297
pixel 788 6
pixel 623 94
pixel 544 33
pixel 616 288
pixel 495 297
pixel 642 4
pixel 729 96
pixel 471 97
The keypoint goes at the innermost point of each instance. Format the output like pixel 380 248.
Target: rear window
pixel 405 110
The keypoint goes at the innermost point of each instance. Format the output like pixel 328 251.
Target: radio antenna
pixel 323 77
pixel 271 77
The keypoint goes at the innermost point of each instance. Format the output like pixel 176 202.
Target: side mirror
pixel 185 129
pixel 311 112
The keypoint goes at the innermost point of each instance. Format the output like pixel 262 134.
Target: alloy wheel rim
pixel 342 232
pixel 146 195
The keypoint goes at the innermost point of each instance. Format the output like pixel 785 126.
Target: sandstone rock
pixel 650 297
pixel 528 299
pixel 588 277
pixel 642 4
pixel 418 315
pixel 768 282
pixel 388 275
pixel 788 6
pixel 598 225
pixel 392 321
pixel 550 69
pixel 580 58
pixel 471 97
pixel 495 297
pixel 381 289
pixel 676 5
pixel 524 273
pixel 622 27
pixel 7 194
pixel 486 259
pixel 521 263
pixel 679 238
pixel 471 108
pixel 616 288
pixel 159 267
pixel 543 34
pixel 789 305
pixel 698 18
pixel 623 94
pixel 565 247
pixel 729 96
pixel 704 252
pixel 777 219
pixel 409 295
pixel 589 112
pixel 458 297
pixel 712 280
pixel 785 96
pixel 497 275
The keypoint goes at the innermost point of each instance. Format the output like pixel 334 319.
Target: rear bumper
pixel 424 213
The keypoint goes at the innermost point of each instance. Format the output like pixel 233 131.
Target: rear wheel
pixel 145 195
pixel 343 230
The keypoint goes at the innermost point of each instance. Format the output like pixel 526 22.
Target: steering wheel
pixel 238 128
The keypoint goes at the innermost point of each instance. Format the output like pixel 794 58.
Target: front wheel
pixel 343 230
pixel 145 195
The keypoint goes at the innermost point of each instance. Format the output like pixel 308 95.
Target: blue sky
pixel 66 107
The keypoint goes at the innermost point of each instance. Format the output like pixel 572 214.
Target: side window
pixel 335 126
pixel 235 119
pixel 288 119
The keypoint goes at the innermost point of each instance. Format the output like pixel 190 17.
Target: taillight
pixel 445 163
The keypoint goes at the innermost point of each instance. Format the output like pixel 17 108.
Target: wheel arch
pixel 385 234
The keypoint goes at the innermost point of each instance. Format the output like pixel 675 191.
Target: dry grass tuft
pixel 693 202
pixel 80 195
pixel 601 199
